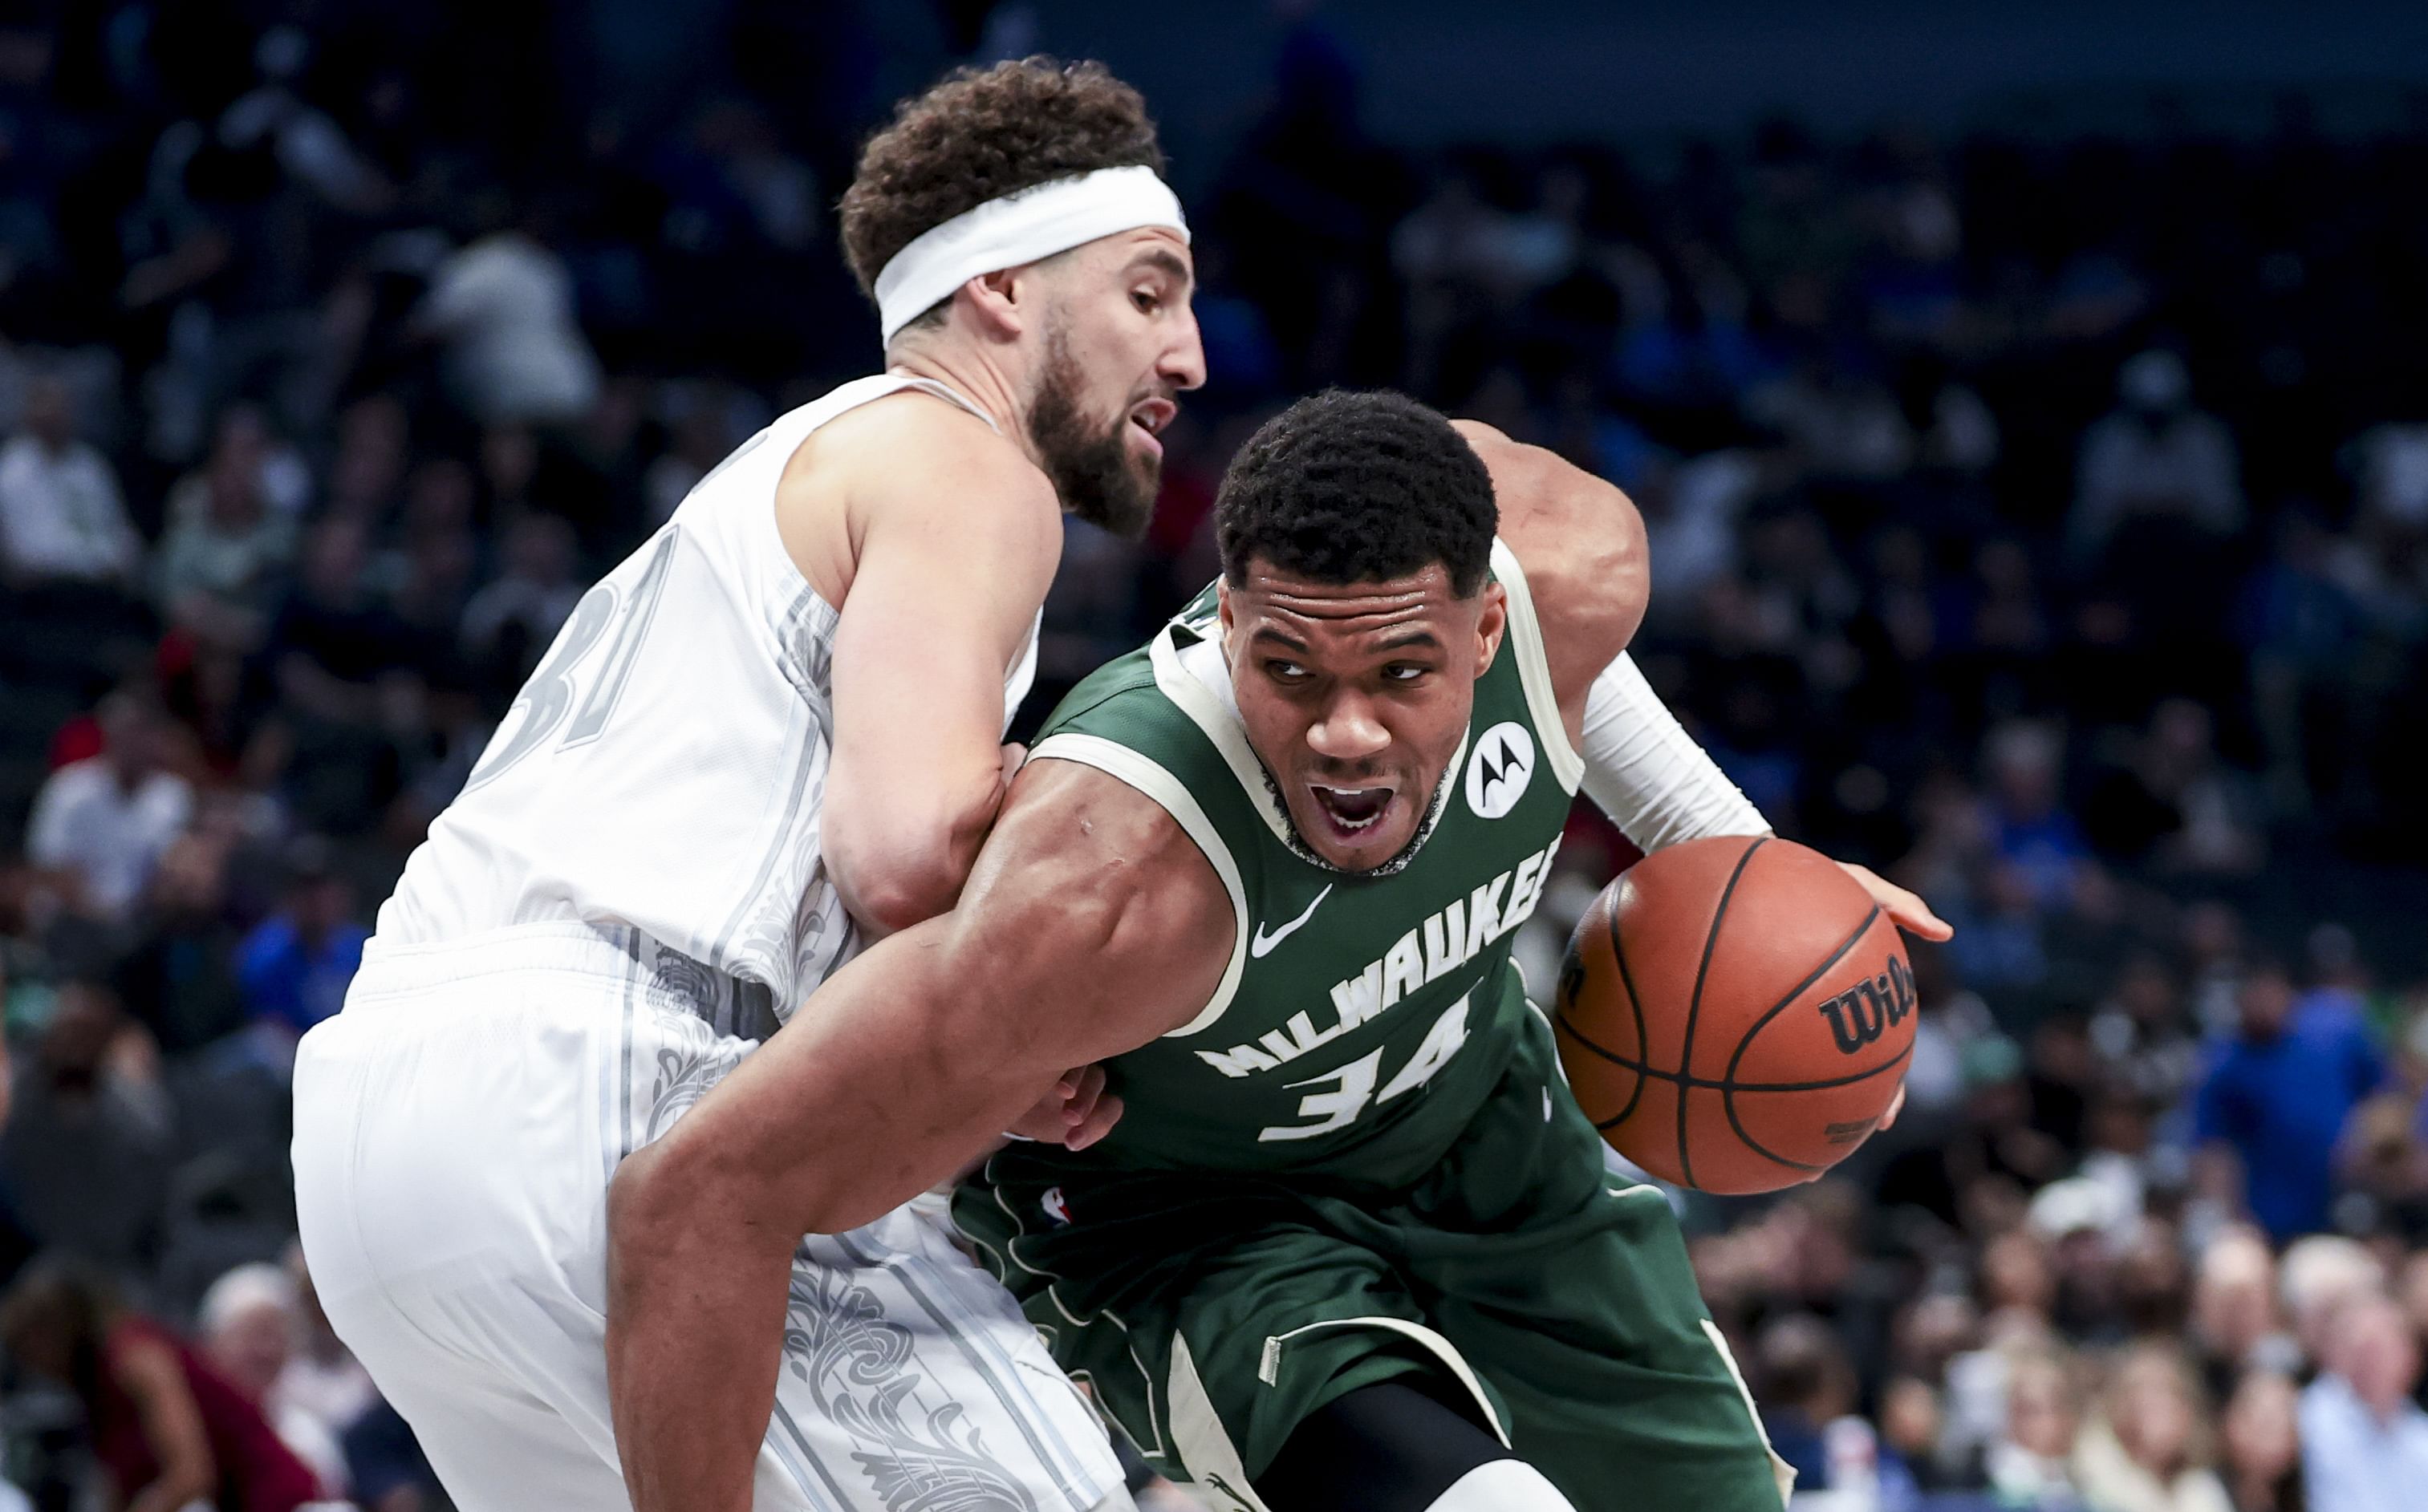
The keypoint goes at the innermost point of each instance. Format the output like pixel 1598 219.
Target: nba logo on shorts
pixel 1055 1209
pixel 1498 773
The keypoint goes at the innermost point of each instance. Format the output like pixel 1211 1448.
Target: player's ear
pixel 1491 625
pixel 998 301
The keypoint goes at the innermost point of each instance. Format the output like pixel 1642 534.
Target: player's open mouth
pixel 1151 416
pixel 1351 810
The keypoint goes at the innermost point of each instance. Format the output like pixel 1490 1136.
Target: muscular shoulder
pixel 1081 865
pixel 913 460
pixel 1582 545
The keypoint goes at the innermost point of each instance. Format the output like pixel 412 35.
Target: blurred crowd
pixel 2040 516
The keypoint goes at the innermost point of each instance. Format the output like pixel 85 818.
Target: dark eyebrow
pixel 1266 632
pixel 1407 639
pixel 1169 262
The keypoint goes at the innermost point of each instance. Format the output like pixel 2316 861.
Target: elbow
pixel 893 877
pixel 662 1194
pixel 673 1203
pixel 895 895
pixel 659 1201
pixel 1626 565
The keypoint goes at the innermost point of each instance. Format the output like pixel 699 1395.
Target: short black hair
pixel 1348 487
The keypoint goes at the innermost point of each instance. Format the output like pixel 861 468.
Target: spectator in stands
pixel 1984 1169
pixel 100 825
pixel 243 446
pixel 2143 1033
pixel 2153 457
pixel 2178 808
pixel 247 1326
pixel 2322 1274
pixel 1910 1430
pixel 509 623
pixel 2236 1326
pixel 85 1153
pixel 2276 1099
pixel 503 309
pixel 2029 1468
pixel 178 975
pixel 2262 1465
pixel 2029 824
pixel 298 962
pixel 430 575
pixel 167 1428
pixel 61 519
pixel 2151 1447
pixel 2383 1170
pixel 352 683
pixel 2364 1441
pixel 217 572
pixel 1807 1384
pixel 2302 627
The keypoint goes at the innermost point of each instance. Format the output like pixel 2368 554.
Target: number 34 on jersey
pixel 1442 943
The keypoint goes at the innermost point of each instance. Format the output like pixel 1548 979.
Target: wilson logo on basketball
pixel 1867 1010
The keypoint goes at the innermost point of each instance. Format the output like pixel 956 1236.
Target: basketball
pixel 1734 1013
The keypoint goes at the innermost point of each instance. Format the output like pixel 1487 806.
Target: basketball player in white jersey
pixel 767 735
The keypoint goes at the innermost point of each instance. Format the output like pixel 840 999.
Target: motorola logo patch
pixel 1499 768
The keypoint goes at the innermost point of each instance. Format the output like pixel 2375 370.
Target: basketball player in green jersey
pixel 1349 1242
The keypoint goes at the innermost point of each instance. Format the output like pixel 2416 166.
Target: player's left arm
pixel 1582 545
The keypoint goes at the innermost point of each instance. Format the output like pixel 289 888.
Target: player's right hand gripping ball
pixel 1735 1014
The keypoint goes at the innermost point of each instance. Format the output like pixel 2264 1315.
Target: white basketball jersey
pixel 665 766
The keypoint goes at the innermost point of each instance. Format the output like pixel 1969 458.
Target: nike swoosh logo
pixel 1262 944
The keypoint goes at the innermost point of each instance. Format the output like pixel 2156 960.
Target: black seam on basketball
pixel 1635 1004
pixel 1729 1101
pixel 1728 1077
pixel 1560 1018
pixel 1695 1005
pixel 1715 1084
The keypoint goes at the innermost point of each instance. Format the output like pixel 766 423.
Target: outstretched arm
pixel 1090 925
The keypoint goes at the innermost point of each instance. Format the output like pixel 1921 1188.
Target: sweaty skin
pixel 1091 925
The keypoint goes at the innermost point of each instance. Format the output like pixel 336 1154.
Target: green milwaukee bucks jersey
pixel 1363 1017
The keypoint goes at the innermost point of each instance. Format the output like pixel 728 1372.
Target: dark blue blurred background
pixel 2030 406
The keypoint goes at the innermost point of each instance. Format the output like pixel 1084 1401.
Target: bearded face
pixel 1101 475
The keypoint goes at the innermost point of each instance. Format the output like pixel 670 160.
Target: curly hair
pixel 1350 487
pixel 979 135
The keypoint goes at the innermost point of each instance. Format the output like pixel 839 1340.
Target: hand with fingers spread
pixel 1074 1115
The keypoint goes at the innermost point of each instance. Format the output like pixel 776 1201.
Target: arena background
pixel 2030 407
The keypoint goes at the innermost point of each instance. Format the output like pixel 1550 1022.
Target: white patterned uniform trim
pixel 455 1130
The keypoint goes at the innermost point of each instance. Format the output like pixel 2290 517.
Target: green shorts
pixel 1211 1314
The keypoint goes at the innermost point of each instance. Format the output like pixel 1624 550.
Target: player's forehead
pixel 1142 251
pixel 1275 605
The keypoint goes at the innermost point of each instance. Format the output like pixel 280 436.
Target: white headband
pixel 1020 228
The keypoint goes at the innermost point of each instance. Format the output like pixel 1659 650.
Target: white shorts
pixel 456 1129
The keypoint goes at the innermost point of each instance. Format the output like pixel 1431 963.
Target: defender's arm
pixel 1090 925
pixel 953 541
